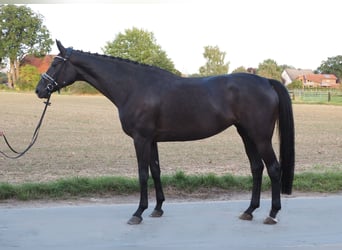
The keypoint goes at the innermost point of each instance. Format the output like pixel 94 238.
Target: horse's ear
pixel 60 47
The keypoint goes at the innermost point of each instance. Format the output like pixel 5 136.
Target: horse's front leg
pixel 155 170
pixel 143 152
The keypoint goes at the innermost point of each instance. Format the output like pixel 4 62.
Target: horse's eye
pixel 54 64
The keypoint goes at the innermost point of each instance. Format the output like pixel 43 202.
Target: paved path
pixel 304 224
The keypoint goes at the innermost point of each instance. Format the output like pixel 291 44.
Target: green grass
pixel 328 182
pixel 318 182
pixel 69 188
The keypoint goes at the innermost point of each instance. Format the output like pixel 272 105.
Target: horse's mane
pixel 107 57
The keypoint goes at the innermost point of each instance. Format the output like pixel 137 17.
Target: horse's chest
pixel 137 123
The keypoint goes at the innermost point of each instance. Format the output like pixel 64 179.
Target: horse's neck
pixel 107 76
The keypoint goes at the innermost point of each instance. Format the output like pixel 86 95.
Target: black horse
pixel 155 106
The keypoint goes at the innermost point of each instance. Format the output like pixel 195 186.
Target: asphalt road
pixel 304 223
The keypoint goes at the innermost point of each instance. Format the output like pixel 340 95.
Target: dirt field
pixel 82 136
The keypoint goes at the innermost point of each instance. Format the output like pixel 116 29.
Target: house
pixel 319 80
pixel 41 63
pixel 289 75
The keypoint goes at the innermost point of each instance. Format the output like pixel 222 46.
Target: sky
pixel 299 33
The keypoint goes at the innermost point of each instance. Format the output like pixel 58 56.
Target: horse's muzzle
pixel 41 91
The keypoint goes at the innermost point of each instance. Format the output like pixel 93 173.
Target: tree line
pixel 22 32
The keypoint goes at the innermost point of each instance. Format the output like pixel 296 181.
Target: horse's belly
pixel 183 137
pixel 192 130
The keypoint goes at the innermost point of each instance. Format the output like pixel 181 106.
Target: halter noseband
pixel 52 83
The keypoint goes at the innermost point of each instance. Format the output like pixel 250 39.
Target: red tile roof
pixel 41 63
pixel 320 77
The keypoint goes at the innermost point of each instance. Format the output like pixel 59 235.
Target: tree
pixel 240 69
pixel 333 65
pixel 215 64
pixel 269 69
pixel 29 76
pixel 140 46
pixel 21 32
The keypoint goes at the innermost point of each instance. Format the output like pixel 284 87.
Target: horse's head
pixel 60 74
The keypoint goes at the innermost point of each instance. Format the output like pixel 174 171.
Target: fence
pixel 316 96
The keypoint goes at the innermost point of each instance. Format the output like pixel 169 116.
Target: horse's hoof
pixel 270 221
pixel 246 216
pixel 134 220
pixel 157 213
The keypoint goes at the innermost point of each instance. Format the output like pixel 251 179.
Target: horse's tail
pixel 286 137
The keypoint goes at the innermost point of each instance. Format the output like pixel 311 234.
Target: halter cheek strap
pixel 52 83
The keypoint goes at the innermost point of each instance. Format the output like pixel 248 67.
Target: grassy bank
pixel 328 182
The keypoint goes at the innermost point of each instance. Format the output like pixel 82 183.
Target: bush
pixel 296 84
pixel 82 88
pixel 29 77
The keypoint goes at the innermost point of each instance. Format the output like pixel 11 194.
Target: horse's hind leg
pixel 155 171
pixel 257 167
pixel 274 172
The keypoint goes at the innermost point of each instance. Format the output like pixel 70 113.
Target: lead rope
pixel 33 139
